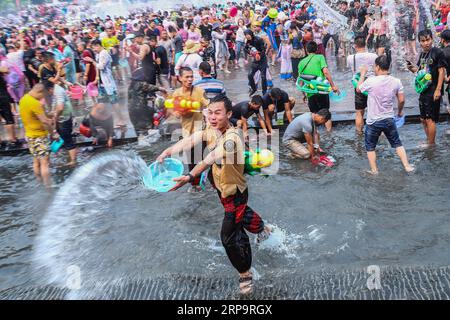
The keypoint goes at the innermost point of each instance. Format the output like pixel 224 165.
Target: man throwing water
pixel 226 159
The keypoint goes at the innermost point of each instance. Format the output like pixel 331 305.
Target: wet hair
pixel 424 34
pixel 223 98
pixel 257 99
pixel 382 62
pixel 47 56
pixel 360 42
pixel 171 29
pixel 152 38
pixel 276 93
pixel 96 42
pixel 183 70
pixel 205 67
pixel 311 47
pixel 249 32
pixel 324 113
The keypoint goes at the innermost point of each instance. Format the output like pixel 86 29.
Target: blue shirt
pixel 212 87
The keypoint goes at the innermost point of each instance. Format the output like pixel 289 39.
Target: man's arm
pixel 287 108
pixel 143 51
pixel 327 74
pixel 47 122
pixel 184 144
pixel 268 120
pixel 261 122
pixel 401 103
pixel 310 143
pixel 437 92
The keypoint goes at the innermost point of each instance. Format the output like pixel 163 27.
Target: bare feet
pixel 410 168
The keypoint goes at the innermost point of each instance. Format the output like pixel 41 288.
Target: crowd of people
pixel 183 54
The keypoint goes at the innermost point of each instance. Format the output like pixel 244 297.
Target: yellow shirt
pixel 192 122
pixel 30 108
pixel 108 43
pixel 228 172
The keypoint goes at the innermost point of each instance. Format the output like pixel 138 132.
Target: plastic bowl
pixel 160 175
pixel 399 122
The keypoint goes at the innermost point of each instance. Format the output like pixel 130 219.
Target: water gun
pixel 422 81
pixel 355 81
pixel 183 106
pixel 255 161
pixel 313 84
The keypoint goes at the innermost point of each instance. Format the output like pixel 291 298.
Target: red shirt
pixel 92 74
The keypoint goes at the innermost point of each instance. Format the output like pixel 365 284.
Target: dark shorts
pixel 5 110
pixel 172 70
pixel 65 131
pixel 386 126
pixel 318 101
pixel 360 101
pixel 429 109
pixel 115 60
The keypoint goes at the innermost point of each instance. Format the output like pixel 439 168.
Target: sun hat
pixel 191 47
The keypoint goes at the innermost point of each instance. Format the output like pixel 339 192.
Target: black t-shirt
pixel 242 109
pixel 279 104
pixel 161 53
pixel 431 62
pixel 152 33
pixel 446 51
pixel 206 31
pixel 348 14
pixel 360 15
pixel 47 74
pixel 259 45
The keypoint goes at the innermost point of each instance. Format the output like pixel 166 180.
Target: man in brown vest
pixel 226 159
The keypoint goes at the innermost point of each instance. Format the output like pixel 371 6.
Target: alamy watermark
pixel 374 280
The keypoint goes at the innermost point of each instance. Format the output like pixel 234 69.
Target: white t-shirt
pixel 363 58
pixel 192 61
pixel 382 91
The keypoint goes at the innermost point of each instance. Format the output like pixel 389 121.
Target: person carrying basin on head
pixel 383 89
pixel 303 129
pixel 315 65
pixel 226 159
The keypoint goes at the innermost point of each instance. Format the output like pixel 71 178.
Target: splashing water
pixel 77 216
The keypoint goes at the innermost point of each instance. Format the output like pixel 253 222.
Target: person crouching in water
pixel 383 89
pixel 226 158
pixel 101 124
pixel 304 129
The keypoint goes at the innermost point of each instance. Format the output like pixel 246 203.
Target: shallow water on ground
pixel 111 227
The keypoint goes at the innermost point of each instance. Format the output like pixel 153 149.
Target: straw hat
pixel 191 47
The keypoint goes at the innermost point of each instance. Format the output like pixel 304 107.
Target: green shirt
pixel 313 65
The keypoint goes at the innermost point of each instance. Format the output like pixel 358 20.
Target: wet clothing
pixel 279 104
pixel 313 65
pixel 192 121
pixel 431 62
pixel 5 107
pixel 261 65
pixel 228 178
pixel 298 127
pixel 141 115
pixel 373 132
pixel 39 146
pixel 149 66
pixel 242 109
pixel 101 129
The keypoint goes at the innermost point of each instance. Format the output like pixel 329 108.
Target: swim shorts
pixel 429 109
pixel 39 147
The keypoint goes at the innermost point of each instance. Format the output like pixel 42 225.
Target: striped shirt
pixel 212 87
